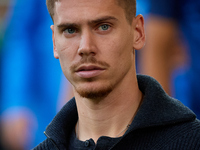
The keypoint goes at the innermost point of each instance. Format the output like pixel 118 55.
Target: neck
pixel 108 116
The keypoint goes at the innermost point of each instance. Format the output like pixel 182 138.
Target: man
pixel 113 108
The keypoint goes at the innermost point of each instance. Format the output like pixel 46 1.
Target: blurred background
pixel 172 50
pixel 33 88
pixel 31 78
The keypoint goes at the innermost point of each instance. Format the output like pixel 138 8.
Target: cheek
pixel 67 49
pixel 64 63
pixel 120 49
pixel 121 55
pixel 67 52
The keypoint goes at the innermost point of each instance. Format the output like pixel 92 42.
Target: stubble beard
pixel 94 93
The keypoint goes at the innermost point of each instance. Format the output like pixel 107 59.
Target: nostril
pixel 86 52
pixel 93 53
pixel 81 53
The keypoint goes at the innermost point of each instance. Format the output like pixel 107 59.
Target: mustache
pixel 89 60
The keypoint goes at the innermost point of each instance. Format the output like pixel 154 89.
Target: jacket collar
pixel 157 109
pixel 63 123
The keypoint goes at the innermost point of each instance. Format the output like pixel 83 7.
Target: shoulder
pixel 45 145
pixel 191 131
pixel 185 135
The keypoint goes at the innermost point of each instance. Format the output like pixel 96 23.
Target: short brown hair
pixel 128 5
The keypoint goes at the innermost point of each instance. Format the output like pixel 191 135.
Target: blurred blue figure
pixel 186 13
pixel 30 75
pixel 174 16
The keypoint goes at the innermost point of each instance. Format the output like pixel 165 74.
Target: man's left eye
pixel 104 27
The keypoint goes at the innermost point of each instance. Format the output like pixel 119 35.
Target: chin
pixel 94 93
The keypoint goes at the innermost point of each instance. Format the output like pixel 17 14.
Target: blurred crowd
pixel 171 54
pixel 30 76
pixel 33 88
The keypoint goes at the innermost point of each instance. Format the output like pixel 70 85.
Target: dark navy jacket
pixel 162 123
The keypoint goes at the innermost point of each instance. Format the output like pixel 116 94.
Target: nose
pixel 87 44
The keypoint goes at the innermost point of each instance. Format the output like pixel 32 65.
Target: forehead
pixel 78 10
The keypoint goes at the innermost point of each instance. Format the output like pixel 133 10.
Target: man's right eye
pixel 70 31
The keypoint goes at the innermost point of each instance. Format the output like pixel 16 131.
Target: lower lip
pixel 89 74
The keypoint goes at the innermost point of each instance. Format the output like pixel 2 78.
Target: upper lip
pixel 88 68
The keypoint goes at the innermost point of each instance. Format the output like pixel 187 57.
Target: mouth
pixel 89 68
pixel 89 71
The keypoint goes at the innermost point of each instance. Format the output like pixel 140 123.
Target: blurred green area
pixel 4 4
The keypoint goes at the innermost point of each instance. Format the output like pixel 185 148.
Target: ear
pixel 139 33
pixel 54 43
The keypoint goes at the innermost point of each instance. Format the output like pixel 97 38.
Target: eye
pixel 104 27
pixel 70 31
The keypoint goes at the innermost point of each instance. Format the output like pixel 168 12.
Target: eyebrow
pixel 96 21
pixel 106 18
pixel 66 25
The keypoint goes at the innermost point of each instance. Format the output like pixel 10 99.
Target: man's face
pixel 94 43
